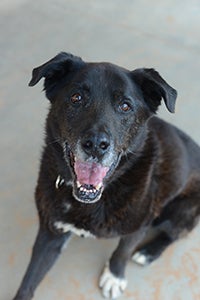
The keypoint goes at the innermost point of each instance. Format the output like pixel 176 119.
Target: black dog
pixel 110 167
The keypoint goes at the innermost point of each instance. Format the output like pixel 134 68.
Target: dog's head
pixel 99 112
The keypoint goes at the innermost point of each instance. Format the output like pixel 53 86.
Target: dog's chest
pixel 92 220
pixel 82 223
pixel 66 227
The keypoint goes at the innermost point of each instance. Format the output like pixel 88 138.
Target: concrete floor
pixel 160 34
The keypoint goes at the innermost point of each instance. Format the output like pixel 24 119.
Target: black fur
pixel 102 116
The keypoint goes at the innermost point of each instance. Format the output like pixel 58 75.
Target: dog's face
pixel 98 111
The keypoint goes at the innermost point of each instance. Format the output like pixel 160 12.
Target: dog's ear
pixel 154 88
pixel 54 71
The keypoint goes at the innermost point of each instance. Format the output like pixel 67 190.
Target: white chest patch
pixel 65 227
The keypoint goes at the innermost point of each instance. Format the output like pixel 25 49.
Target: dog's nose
pixel 96 144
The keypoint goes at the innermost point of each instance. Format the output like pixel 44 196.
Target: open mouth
pixel 89 177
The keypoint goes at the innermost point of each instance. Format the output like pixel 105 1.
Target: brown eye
pixel 76 98
pixel 125 107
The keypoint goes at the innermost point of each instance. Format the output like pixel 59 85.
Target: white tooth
pixel 78 184
pixel 98 186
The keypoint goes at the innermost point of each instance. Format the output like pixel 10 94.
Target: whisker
pixel 57 140
pixel 133 152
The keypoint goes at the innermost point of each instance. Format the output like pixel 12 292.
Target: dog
pixel 110 168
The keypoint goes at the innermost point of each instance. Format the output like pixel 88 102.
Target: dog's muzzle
pixel 89 178
pixel 90 166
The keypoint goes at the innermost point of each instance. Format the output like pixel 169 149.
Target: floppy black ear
pixel 154 88
pixel 54 71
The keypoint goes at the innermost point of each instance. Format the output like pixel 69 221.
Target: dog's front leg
pixel 112 281
pixel 46 250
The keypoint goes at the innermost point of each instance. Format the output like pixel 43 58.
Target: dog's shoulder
pixel 168 135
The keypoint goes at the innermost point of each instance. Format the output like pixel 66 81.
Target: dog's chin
pixel 87 194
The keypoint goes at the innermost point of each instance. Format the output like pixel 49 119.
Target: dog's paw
pixel 142 258
pixel 112 286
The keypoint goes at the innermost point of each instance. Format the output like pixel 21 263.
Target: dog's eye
pixel 76 98
pixel 125 106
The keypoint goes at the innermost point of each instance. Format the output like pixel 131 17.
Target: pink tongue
pixel 89 173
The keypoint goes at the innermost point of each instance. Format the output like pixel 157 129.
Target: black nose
pixel 96 144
